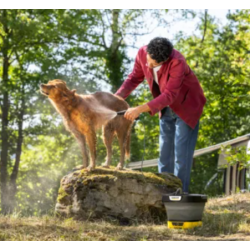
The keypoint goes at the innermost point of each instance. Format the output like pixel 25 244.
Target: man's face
pixel 152 63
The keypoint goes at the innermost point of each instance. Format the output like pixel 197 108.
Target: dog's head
pixel 57 91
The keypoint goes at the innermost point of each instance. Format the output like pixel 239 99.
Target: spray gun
pixel 123 113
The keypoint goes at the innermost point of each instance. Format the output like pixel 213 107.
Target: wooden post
pixel 227 186
pixel 234 172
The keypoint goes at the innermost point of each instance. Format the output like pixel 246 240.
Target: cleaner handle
pixel 123 113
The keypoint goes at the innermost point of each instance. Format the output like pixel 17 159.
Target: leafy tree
pixel 28 38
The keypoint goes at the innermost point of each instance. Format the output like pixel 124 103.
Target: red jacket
pixel 178 88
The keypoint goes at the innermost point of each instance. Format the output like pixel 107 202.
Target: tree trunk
pixel 204 33
pixel 13 177
pixel 4 118
pixel 115 56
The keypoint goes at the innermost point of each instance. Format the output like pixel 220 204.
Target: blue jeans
pixel 177 144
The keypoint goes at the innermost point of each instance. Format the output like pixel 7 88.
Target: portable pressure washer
pixel 184 210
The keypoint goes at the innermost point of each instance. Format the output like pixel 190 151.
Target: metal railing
pixel 199 152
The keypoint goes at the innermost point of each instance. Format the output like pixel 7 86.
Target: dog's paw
pixel 105 165
pixel 119 166
pixel 90 168
pixel 78 168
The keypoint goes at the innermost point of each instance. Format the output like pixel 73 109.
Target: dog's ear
pixel 73 91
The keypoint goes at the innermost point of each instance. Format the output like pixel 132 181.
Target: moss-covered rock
pixel 108 192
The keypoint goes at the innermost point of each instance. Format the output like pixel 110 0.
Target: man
pixel 178 97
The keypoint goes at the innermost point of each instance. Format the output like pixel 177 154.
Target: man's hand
pixel 132 113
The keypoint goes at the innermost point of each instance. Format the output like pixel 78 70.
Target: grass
pixel 226 218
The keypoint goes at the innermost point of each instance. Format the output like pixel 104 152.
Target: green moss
pixel 111 173
pixel 62 195
pixel 68 186
pixel 99 178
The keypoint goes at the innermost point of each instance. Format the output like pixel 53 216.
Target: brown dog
pixel 84 114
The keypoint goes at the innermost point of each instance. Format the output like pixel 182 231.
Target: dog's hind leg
pixel 122 138
pixel 108 135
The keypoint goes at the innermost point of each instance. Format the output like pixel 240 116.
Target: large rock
pixel 106 192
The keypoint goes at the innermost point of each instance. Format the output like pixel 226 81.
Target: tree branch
pixel 103 32
pixel 205 26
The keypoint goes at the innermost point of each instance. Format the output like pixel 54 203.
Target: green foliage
pixel 236 155
pixel 204 168
pixel 221 63
pixel 45 160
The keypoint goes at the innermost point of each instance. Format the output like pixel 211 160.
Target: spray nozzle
pixel 123 113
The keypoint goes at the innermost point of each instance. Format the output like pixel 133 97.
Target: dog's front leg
pixel 82 143
pixel 91 141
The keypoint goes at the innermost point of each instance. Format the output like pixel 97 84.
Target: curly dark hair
pixel 160 49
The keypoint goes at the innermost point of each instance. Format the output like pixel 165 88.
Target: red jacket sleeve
pixel 133 80
pixel 172 88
